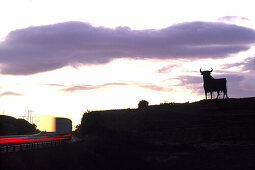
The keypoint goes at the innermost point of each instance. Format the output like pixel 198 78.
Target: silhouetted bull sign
pixel 214 85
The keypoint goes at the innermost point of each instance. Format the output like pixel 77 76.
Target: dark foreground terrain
pixel 213 134
pixel 12 126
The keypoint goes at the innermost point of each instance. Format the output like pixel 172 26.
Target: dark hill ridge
pixel 178 122
pixel 208 134
pixel 12 126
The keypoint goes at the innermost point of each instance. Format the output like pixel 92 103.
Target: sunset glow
pixel 61 58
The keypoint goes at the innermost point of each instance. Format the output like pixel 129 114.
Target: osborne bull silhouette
pixel 214 85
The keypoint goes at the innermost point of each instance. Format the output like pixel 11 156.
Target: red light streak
pixel 35 138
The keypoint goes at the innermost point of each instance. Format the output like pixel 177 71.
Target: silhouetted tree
pixel 143 104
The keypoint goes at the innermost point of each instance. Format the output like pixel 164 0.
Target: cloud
pixel 154 87
pixel 55 85
pixel 247 65
pixel 10 93
pixel 237 64
pixel 80 88
pixel 232 18
pixel 84 87
pixel 168 68
pixel 243 85
pixel 45 48
pixel 190 80
pixel 192 83
pixel 240 85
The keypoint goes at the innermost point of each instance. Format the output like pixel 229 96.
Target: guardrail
pixel 28 142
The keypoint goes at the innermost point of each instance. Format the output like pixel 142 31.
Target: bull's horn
pixel 211 69
pixel 200 70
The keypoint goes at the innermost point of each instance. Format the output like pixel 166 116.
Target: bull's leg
pixel 218 93
pixel 211 94
pixel 225 94
pixel 205 95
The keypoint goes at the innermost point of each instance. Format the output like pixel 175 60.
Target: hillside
pixel 208 134
pixel 12 126
pixel 186 122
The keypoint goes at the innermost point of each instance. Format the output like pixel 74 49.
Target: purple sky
pixel 46 48
pixel 64 59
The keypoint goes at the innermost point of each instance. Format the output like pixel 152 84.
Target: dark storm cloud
pixel 45 48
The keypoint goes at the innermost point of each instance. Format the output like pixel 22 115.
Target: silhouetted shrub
pixel 143 104
pixel 92 124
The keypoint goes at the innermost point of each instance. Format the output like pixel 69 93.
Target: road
pixel 16 143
